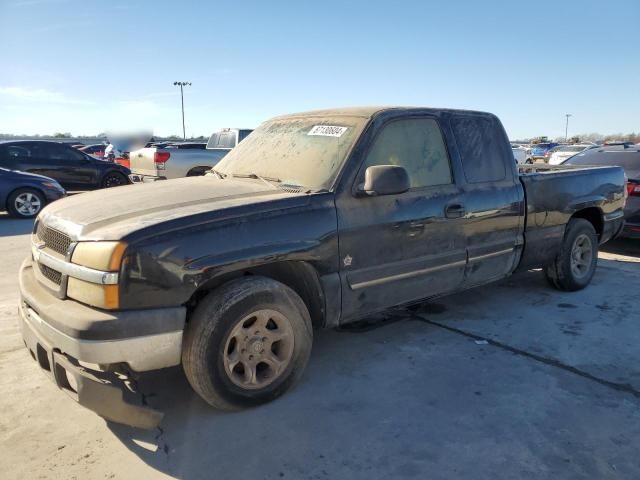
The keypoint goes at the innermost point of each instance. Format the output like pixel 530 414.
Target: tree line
pixel 586 137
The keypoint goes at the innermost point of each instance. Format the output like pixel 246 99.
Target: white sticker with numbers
pixel 327 131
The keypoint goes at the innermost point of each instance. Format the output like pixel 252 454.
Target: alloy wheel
pixel 27 204
pixel 259 349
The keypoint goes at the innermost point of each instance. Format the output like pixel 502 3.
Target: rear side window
pixel 418 146
pixel 14 151
pixel 224 139
pixel 481 143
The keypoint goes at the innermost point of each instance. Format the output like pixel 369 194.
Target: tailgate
pixel 142 161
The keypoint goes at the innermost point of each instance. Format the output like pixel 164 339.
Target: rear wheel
pixel 25 203
pixel 576 263
pixel 114 179
pixel 247 343
pixel 198 171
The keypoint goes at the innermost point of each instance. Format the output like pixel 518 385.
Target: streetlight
pixel 182 85
pixel 566 126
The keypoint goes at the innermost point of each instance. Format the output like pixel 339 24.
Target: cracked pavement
pixel 510 380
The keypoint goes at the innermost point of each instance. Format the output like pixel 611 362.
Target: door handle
pixel 454 210
pixel 415 228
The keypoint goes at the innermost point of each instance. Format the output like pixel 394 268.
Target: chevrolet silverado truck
pixel 173 161
pixel 316 220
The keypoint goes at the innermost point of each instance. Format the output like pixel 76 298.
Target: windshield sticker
pixel 327 130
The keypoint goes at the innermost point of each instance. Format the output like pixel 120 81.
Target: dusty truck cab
pixel 315 220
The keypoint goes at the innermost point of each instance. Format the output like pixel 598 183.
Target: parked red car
pixel 96 150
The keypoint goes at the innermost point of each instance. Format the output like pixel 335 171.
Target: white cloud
pixel 38 95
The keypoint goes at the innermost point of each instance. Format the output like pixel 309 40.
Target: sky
pixel 89 66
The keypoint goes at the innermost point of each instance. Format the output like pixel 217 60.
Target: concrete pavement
pixel 512 380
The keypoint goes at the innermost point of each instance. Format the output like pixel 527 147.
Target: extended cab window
pixel 418 146
pixel 481 144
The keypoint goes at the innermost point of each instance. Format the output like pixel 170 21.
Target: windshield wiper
pixel 268 180
pixel 219 174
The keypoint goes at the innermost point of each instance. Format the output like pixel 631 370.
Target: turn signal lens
pixel 101 296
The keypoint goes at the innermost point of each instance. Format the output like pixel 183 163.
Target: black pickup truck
pixel 315 220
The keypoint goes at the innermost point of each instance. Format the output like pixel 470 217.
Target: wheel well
pixel 197 171
pixel 301 277
pixel 592 215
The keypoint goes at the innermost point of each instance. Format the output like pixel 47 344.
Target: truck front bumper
pixel 55 331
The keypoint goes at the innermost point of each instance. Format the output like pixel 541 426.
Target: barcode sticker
pixel 327 130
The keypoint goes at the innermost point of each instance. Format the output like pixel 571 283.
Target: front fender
pixel 167 269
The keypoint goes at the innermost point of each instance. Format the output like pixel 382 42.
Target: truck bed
pixel 555 192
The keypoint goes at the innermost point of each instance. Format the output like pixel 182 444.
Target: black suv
pixel 73 169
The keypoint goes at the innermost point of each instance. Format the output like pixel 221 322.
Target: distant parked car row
pixel 54 167
pixel 559 154
pixel 96 150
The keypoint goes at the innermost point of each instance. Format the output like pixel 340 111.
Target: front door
pixel 401 248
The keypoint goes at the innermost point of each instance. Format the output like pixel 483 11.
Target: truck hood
pixel 113 213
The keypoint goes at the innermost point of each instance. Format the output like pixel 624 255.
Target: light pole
pixel 182 85
pixel 566 126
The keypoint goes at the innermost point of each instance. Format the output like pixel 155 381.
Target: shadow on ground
pixel 406 398
pixel 623 246
pixel 11 226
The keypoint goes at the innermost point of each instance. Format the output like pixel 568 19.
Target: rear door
pixel 493 197
pixel 396 249
pixel 71 168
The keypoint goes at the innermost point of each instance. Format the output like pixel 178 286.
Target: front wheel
pixel 247 343
pixel 25 203
pixel 114 179
pixel 576 263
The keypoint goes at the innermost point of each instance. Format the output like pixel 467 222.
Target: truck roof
pixel 369 112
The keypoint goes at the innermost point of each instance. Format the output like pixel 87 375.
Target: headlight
pixel 103 257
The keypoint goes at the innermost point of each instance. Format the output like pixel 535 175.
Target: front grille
pixel 51 274
pixel 53 239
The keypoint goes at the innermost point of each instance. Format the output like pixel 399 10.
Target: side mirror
pixel 385 180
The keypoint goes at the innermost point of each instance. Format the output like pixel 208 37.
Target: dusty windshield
pixel 301 151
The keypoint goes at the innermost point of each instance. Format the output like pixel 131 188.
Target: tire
pixel 198 171
pixel 113 179
pixel 565 273
pixel 25 203
pixel 212 344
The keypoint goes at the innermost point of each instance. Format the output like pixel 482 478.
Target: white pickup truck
pixel 172 161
